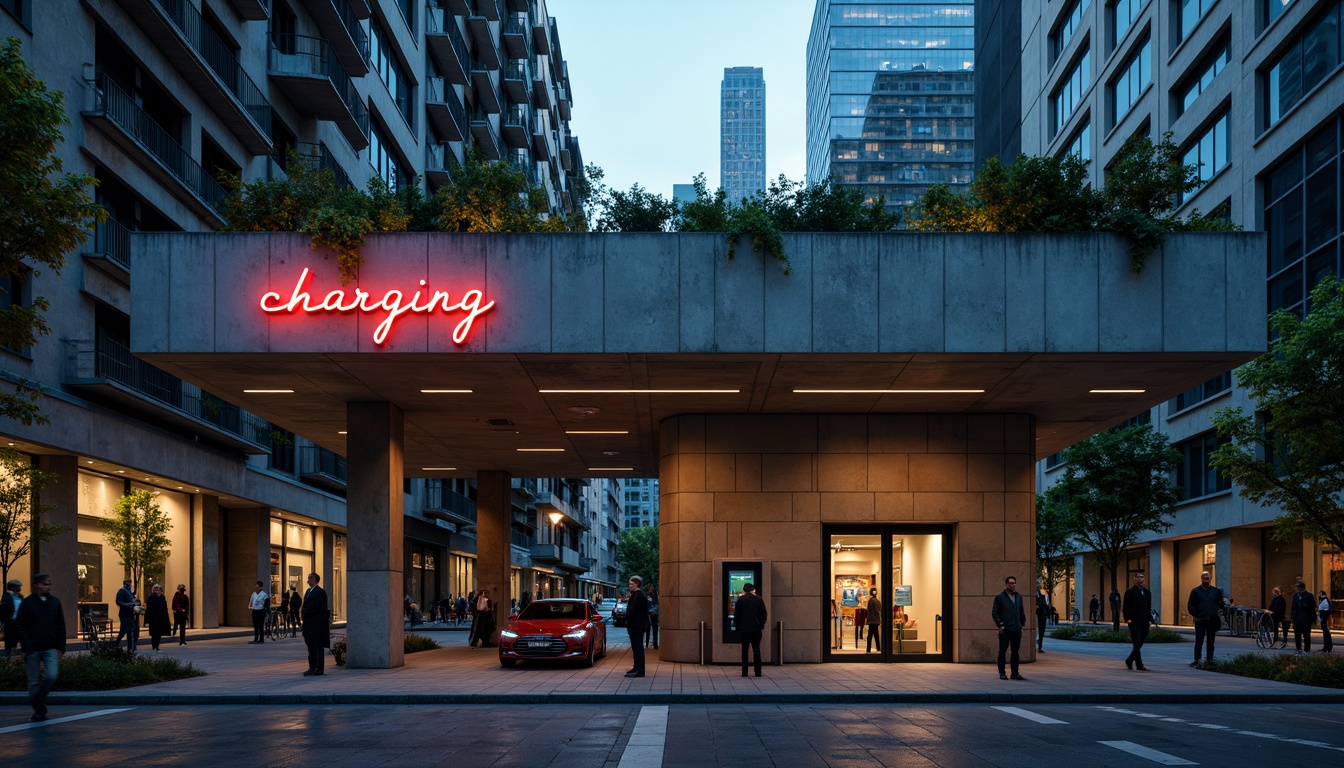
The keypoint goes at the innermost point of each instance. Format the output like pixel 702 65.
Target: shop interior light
pixel 268 391
pixel 888 391
pixel 597 431
pixel 638 391
pixel 1117 391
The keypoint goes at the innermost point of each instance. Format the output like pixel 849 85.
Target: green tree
pixel 21 486
pixel 637 210
pixel 637 552
pixel 1292 455
pixel 138 533
pixel 1054 542
pixel 1116 485
pixel 825 206
pixel 44 213
pixel 494 197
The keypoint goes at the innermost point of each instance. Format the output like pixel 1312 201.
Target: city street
pixel 1039 736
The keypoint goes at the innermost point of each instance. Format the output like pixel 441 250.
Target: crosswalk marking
pixel 645 748
pixel 1032 716
pixel 58 720
pixel 1161 758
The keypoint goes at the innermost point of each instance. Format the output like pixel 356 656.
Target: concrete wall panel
pixel 576 267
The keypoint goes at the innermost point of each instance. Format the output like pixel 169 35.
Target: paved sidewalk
pixel 457 674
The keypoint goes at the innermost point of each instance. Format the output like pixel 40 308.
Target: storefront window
pixel 886 595
pixel 338 574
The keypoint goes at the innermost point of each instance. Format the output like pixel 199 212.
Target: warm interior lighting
pixel 268 391
pixel 555 518
pixel 1117 391
pixel 445 391
pixel 597 431
pixel 438 469
pixel 638 391
pixel 342 432
pixel 888 391
pixel 611 469
pixel 541 450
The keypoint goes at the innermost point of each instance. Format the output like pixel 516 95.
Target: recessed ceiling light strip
pixel 639 391
pixel 597 431
pixel 888 391
pixel 1117 391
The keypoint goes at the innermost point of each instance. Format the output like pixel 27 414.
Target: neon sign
pixel 394 303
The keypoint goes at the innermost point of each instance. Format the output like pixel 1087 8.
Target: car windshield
pixel 543 610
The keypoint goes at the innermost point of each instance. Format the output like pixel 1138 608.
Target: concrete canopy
pixel 1035 322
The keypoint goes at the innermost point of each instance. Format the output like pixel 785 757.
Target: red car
pixel 554 629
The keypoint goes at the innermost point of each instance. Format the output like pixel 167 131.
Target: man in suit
pixel 1042 616
pixel 1203 605
pixel 637 623
pixel 1010 617
pixel 749 617
pixel 1138 613
pixel 128 613
pixel 316 629
pixel 1303 613
pixel 9 612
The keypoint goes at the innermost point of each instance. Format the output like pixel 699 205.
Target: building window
pixel 21 10
pixel 1209 151
pixel 1212 66
pixel 1274 9
pixel 1134 78
pixel 1195 395
pixel 1054 460
pixel 1070 20
pixel 1193 474
pixel 1191 12
pixel 389 70
pixel 381 158
pixel 1122 14
pixel 1070 93
pixel 1303 64
pixel 1133 421
pixel 16 291
pixel 1301 218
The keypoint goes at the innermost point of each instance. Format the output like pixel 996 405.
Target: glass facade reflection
pixel 891 96
pixel 742 132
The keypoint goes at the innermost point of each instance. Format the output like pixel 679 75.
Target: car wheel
pixel 507 663
pixel 591 659
pixel 603 654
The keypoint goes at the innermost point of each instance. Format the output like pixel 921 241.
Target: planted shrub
pixel 102 671
pixel 1321 670
pixel 1099 635
pixel 417 643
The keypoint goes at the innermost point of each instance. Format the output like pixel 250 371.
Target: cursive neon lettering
pixel 394 303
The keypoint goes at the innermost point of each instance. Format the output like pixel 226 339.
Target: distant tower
pixel 742 132
pixel 683 193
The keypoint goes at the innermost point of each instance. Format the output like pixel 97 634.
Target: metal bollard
pixel 702 643
pixel 779 641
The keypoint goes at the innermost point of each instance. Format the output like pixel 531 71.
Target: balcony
pixel 518 38
pixel 487 92
pixel 322 157
pixel 208 65
pixel 541 144
pixel 519 6
pixel 484 137
pixel 154 149
pixel 589 564
pixel 446 45
pixel 562 102
pixel 527 486
pixel 519 159
pixel 558 556
pixel 549 504
pixel 541 37
pixel 516 133
pixel 486 49
pixel 449 505
pixel 490 9
pixel 566 156
pixel 541 89
pixel 339 23
pixel 107 368
pixel 308 72
pixel 320 467
pixel 520 539
pixel 445 110
pixel 517 82
pixel 252 10
pixel 440 164
pixel 111 249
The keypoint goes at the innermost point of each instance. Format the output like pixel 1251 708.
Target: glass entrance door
pixel 887 593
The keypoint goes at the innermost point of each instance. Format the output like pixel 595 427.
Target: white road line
pixel 1032 716
pixel 1229 729
pixel 645 748
pixel 70 719
pixel 1161 758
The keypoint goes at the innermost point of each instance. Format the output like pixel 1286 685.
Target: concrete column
pixel 494 512
pixel 1162 579
pixel 374 629
pixel 248 532
pixel 1240 565
pixel 1082 598
pixel 206 592
pixel 326 565
pixel 60 556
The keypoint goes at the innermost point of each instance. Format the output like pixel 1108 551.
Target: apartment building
pixel 1251 92
pixel 165 97
pixel 742 132
pixel 640 501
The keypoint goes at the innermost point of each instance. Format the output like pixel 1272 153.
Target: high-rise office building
pixel 742 132
pixel 1245 90
pixel 683 193
pixel 891 96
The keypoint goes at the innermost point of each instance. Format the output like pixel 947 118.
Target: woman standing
pixel 653 620
pixel 156 616
pixel 181 607
pixel 1323 608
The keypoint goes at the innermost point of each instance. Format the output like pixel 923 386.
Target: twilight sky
pixel 646 77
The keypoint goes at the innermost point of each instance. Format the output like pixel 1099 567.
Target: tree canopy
pixel 44 213
pixel 1054 542
pixel 1115 486
pixel 138 532
pixel 637 552
pixel 1291 455
pixel 21 508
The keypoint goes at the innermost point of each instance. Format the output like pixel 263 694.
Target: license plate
pixel 539 644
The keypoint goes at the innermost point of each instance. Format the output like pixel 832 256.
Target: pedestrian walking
pixel 653 620
pixel 1278 610
pixel 156 616
pixel 482 624
pixel 128 615
pixel 41 626
pixel 1138 612
pixel 637 623
pixel 1010 617
pixel 461 608
pixel 1302 611
pixel 316 628
pixel 257 602
pixel 749 617
pixel 1042 617
pixel 1203 606
pixel 1323 613
pixel 181 610
pixel 1094 608
pixel 294 608
pixel 1115 605
pixel 9 612
pixel 874 621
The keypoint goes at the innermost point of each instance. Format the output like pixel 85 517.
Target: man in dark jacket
pixel 749 618
pixel 9 611
pixel 1138 613
pixel 41 625
pixel 637 623
pixel 1303 614
pixel 1203 605
pixel 1042 617
pixel 1010 617
pixel 1278 611
pixel 128 615
pixel 316 630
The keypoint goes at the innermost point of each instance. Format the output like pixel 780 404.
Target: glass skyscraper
pixel 742 132
pixel 891 96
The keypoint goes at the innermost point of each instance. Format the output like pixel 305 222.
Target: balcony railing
pixel 518 37
pixel 338 22
pixel 441 497
pixel 485 137
pixel 445 109
pixel 520 539
pixel 447 45
pixel 112 103
pixel 316 462
pixel 321 155
pixel 297 57
pixel 221 60
pixel 112 241
pixel 490 9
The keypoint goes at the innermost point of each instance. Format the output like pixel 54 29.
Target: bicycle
pixel 275 625
pixel 1266 631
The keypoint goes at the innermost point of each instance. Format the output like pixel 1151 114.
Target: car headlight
pixel 575 635
pixel 508 633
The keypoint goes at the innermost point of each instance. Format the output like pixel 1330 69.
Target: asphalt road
pixel 637 736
